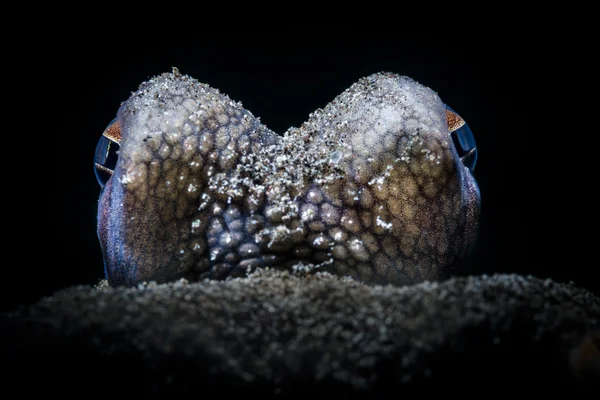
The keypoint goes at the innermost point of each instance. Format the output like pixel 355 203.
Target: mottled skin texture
pixel 371 186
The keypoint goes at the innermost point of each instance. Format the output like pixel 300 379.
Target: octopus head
pixel 378 185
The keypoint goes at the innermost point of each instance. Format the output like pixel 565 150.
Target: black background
pixel 280 78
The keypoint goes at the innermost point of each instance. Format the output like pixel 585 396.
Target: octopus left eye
pixel 107 150
pixel 463 139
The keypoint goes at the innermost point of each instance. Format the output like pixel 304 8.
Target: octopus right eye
pixel 463 138
pixel 107 152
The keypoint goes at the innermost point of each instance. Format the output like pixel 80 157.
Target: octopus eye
pixel 107 151
pixel 463 139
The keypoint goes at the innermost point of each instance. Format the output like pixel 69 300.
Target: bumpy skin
pixel 371 186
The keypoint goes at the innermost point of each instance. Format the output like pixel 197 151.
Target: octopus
pixel 378 185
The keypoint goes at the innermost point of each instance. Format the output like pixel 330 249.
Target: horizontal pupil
pixel 105 159
pixel 463 140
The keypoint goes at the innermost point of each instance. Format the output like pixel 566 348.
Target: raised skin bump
pixel 370 186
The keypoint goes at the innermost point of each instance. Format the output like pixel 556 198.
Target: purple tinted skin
pixel 371 187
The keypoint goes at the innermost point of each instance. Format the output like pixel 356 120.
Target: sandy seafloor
pixel 276 334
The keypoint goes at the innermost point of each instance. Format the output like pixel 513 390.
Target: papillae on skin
pixel 370 187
